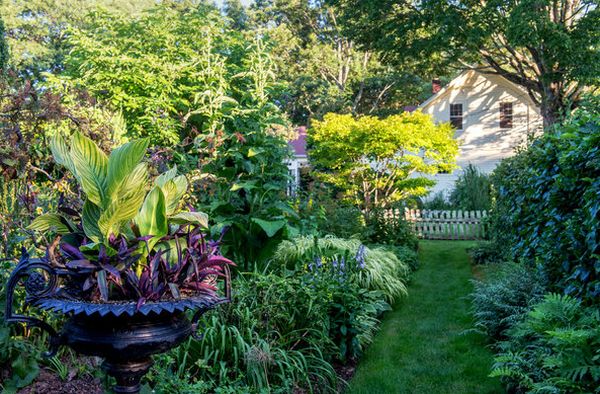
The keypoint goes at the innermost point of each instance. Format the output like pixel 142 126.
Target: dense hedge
pixel 547 205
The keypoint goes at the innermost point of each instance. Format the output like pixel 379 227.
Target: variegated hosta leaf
pixel 90 165
pixel 126 201
pixel 152 218
pixel 198 218
pixel 89 221
pixel 121 162
pixel 49 221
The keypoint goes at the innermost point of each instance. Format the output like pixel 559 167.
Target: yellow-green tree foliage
pixel 375 162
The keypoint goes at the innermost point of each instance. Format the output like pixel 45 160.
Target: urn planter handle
pixel 37 286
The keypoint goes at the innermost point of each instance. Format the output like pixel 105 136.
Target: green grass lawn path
pixel 422 346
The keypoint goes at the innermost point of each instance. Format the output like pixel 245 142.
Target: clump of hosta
pixel 130 241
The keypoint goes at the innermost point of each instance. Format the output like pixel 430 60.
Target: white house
pixel 491 115
pixel 298 161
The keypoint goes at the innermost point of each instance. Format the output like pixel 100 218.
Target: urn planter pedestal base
pixel 126 342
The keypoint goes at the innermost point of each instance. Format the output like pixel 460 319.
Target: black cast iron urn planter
pixel 125 334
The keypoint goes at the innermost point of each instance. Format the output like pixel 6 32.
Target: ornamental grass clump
pixel 130 241
pixel 380 269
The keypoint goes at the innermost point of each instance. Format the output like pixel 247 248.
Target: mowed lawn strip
pixel 422 346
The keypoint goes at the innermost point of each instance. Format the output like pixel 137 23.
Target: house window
pixel 506 115
pixel 456 116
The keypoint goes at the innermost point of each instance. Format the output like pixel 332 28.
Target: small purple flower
pixel 360 256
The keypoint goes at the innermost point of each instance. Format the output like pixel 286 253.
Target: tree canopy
pixel 37 29
pixel 321 69
pixel 550 48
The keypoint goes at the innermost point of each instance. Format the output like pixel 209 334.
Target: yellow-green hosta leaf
pixel 125 203
pixel 90 165
pixel 49 221
pixel 199 218
pixel 89 220
pixel 152 218
pixel 121 162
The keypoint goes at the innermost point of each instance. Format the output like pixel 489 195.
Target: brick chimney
pixel 436 85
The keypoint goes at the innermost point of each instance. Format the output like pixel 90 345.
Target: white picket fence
pixel 454 224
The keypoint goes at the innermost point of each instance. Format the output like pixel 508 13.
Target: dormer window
pixel 456 116
pixel 506 115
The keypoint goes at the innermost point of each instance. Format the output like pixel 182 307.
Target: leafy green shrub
pixel 342 220
pixel 383 228
pixel 353 315
pixel 505 296
pixel 554 349
pixel 547 208
pixel 472 190
pixel 437 202
pixel 359 155
pixel 486 253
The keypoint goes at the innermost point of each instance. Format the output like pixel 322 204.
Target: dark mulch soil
pixel 346 371
pixel 48 383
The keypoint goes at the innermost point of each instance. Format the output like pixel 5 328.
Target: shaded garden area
pixel 146 184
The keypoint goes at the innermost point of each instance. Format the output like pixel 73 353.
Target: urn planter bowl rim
pixel 75 307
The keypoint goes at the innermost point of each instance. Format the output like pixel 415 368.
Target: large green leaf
pixel 126 201
pixel 152 218
pixel 24 370
pixel 199 218
pixel 270 227
pixel 89 220
pixel 166 176
pixel 173 187
pixel 121 162
pixel 90 165
pixel 174 190
pixel 49 221
pixel 60 152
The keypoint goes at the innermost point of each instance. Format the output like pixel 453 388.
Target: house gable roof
pixel 464 76
pixel 443 91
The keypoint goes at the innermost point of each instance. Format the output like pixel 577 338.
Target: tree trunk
pixel 553 106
